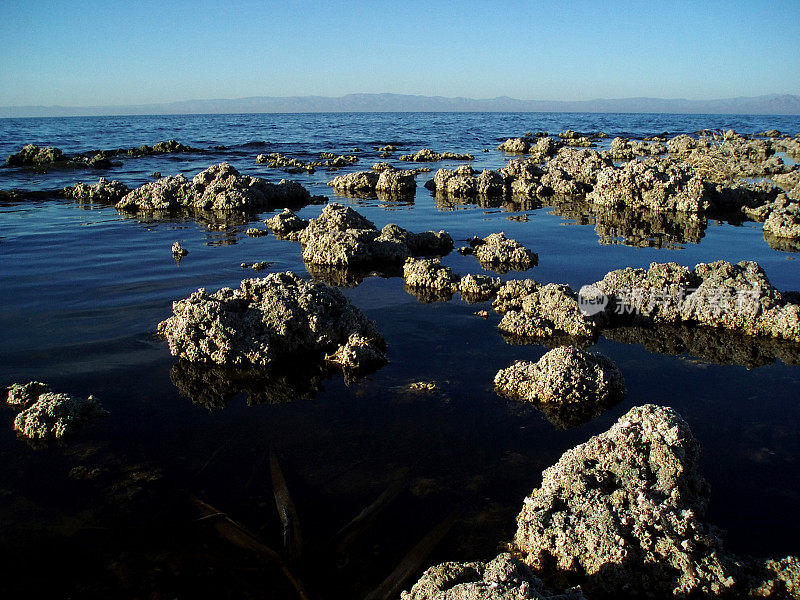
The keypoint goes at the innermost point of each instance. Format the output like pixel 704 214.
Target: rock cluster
pixel 387 179
pixel 219 188
pixel 271 319
pixel 46 415
pixel 499 253
pixel 430 280
pixel 719 294
pixel 32 155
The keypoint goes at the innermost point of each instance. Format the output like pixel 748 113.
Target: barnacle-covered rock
pixel 54 416
pixel 32 155
pixel 286 224
pixel 429 274
pixel 22 395
pixel 497 252
pixel 263 321
pixel 104 191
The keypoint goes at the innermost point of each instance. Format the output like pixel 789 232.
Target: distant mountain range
pixel 772 104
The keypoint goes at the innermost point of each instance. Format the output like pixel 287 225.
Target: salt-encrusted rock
pixel 178 250
pixel 54 416
pixel 32 155
pixel 104 191
pixel 651 184
pixel 784 222
pixel 497 252
pixel 429 274
pixel 625 149
pixel 532 310
pixel 477 288
pixel 428 155
pixel 515 145
pixel 790 183
pixel 341 237
pixel 358 353
pixel 277 160
pixel 621 515
pixel 286 223
pixel 719 294
pixel 503 578
pixel 360 181
pixel 22 395
pixel 582 166
pixel 565 375
pixel 220 187
pixel 463 182
pixel 396 180
pixel 266 320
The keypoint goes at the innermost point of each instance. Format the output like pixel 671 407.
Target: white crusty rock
pixel 265 320
pixel 341 237
pixel 565 375
pixel 359 181
pixel 622 515
pixel 429 274
pixel 477 288
pixel 784 222
pixel 532 310
pixel 497 252
pixel 463 182
pixel 220 187
pixel 54 416
pixel 286 224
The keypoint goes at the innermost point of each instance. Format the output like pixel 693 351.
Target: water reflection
pixel 566 415
pixel 215 387
pixel 714 346
pixel 782 244
pixel 640 228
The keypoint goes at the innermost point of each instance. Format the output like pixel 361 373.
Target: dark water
pixel 83 287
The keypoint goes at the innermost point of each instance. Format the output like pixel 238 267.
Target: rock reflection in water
pixel 215 387
pixel 782 244
pixel 640 228
pixel 565 415
pixel 714 346
pixel 388 199
pixel 349 277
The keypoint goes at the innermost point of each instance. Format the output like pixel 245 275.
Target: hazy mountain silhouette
pixel 771 104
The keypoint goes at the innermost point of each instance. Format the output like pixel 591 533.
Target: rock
pixel 784 222
pixel 362 180
pixel 503 578
pixel 499 253
pixel 395 180
pixel 32 155
pixel 23 395
pixel 255 232
pixel 428 155
pixel 515 146
pixel 267 320
pixel 286 224
pixel 219 188
pixel 341 237
pixel 719 294
pixel 104 191
pixel 582 166
pixel 621 515
pixel 179 251
pixel 54 416
pixel 565 375
pixel 429 274
pixel 477 288
pixel 651 184
pixel 462 182
pixel 532 310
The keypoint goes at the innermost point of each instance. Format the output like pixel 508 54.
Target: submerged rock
pixel 621 515
pixel 219 188
pixel 54 416
pixel 266 320
pixel 503 578
pixel 499 253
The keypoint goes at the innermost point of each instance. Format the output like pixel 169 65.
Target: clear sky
pixel 133 52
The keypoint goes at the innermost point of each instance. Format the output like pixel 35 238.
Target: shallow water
pixel 83 287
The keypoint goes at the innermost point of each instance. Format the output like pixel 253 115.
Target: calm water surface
pixel 83 287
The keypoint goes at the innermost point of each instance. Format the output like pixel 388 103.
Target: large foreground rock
pixel 219 188
pixel 621 515
pixel 266 320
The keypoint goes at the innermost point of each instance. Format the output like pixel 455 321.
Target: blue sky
pixel 99 53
